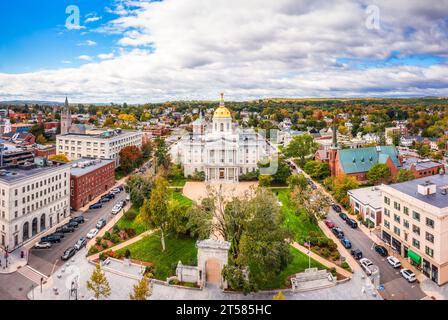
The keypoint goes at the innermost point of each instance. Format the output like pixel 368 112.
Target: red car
pixel 329 224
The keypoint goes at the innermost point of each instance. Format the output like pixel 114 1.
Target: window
pixel 429 237
pixel 397 231
pixel 430 223
pixel 386 212
pixel 416 215
pixel 396 218
pixel 406 210
pixel 406 223
pixel 397 206
pixel 429 251
pixel 387 200
pixel 416 243
pixel 416 229
pixel 387 224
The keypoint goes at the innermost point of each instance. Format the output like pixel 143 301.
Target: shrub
pixel 98 240
pixel 107 235
pixel 116 229
pixel 130 215
pixel 359 217
pixel 130 232
pixel 92 250
pixel 127 254
pixel 345 266
pixel 114 238
pixel 324 252
pixel 333 271
pixel 104 245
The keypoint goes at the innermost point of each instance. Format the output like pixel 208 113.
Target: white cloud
pixel 85 57
pixel 89 43
pixel 187 49
pixel 104 56
pixel 66 62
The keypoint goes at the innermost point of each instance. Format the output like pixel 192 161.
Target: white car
pixel 116 208
pixel 366 264
pixel 42 245
pixel 394 262
pixel 408 275
pixel 92 233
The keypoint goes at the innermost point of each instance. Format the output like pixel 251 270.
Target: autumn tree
pixel 41 139
pixel 154 211
pixel 264 180
pixel 59 158
pixel 131 157
pixel 99 284
pixel 142 290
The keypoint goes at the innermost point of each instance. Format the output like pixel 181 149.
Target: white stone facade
pixel 220 149
pixel 31 202
pixel 104 145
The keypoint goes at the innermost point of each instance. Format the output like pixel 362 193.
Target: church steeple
pixel 66 118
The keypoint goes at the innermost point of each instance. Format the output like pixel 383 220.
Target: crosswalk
pixel 32 274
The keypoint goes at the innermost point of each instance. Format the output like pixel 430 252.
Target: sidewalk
pixel 95 200
pixel 13 262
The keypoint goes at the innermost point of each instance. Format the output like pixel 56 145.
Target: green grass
pixel 124 223
pixel 149 249
pixel 298 264
pixel 182 199
pixel 298 224
pixel 177 182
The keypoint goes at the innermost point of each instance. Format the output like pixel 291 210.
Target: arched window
pixel 26 234
pixel 42 222
pixel 34 227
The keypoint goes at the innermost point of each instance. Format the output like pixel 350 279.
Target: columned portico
pixel 221 174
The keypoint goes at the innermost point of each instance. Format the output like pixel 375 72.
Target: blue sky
pixel 148 50
pixel 34 37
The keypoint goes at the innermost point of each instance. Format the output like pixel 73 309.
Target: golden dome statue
pixel 222 111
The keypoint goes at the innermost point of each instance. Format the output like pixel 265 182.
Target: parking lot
pixel 47 260
pixel 395 286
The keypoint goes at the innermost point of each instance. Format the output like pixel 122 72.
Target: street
pixel 395 286
pixel 47 260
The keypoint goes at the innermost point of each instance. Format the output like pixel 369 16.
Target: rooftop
pixel 83 166
pixel 436 199
pixel 368 196
pixel 362 159
pixel 101 134
pixel 10 175
pixel 420 164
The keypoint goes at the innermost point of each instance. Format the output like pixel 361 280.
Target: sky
pixel 151 51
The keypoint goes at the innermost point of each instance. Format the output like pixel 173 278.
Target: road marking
pixel 54 266
pixel 38 272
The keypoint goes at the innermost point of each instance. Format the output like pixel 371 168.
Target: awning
pixel 414 257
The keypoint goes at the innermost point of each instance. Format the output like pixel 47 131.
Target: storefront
pixel 396 245
pixel 387 238
pixel 414 258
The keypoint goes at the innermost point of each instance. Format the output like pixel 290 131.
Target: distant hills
pixel 31 102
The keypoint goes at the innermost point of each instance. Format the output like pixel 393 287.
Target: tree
pixel 141 291
pixel 178 217
pixel 41 139
pixel 147 149
pixel 131 157
pixel 139 187
pixel 317 169
pixel 404 175
pixel 99 284
pixel 301 146
pixel 297 180
pixel 379 172
pixel 340 185
pixel 161 153
pixel 109 122
pixel 264 180
pixel 59 158
pixel 154 211
pixel 37 129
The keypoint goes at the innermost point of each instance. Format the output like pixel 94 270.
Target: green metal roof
pixel 362 159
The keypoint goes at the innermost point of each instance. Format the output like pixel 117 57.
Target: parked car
pixel 336 207
pixel 92 233
pixel 101 223
pixel 70 252
pixel 329 224
pixel 116 190
pixel 128 197
pixel 58 234
pixel 97 205
pixel 408 275
pixel 382 251
pixel 110 195
pixel 356 253
pixel 65 229
pixel 346 243
pixel 80 243
pixel 42 245
pixel 116 208
pixel 104 200
pixel 122 203
pixel 366 264
pixel 73 224
pixel 51 239
pixel 78 219
pixel 352 223
pixel 343 216
pixel 394 262
pixel 338 232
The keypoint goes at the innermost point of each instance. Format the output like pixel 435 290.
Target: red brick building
pixel 90 178
pixel 45 150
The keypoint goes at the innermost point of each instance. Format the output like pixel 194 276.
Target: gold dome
pixel 222 111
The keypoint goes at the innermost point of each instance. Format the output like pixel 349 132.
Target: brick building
pixel 88 179
pixel 44 150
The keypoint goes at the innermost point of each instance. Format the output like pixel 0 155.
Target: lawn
pixel 296 223
pixel 135 224
pixel 177 181
pixel 298 264
pixel 182 199
pixel 149 249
